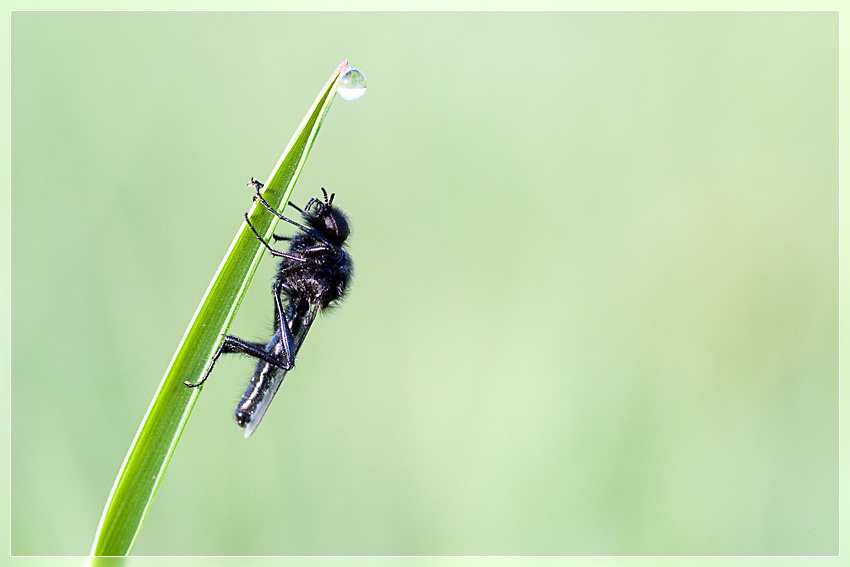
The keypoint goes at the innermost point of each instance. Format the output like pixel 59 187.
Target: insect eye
pixel 336 224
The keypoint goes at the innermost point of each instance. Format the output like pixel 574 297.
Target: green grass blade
pixel 156 439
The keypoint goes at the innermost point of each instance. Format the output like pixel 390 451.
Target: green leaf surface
pixel 156 439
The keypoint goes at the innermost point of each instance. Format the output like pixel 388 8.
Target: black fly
pixel 313 274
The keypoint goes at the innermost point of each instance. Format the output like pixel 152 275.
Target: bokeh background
pixel 596 301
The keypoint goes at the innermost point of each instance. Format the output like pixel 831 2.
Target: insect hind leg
pixel 233 345
pixel 287 341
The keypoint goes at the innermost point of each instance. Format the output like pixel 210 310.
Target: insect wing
pixel 299 327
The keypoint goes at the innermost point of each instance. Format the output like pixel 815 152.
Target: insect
pixel 312 275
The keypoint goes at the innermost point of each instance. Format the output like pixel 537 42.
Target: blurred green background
pixel 596 301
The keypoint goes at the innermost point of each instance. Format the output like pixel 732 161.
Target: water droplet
pixel 352 85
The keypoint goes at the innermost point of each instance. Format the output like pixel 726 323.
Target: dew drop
pixel 352 85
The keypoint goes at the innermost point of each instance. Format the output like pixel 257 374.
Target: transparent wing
pixel 299 325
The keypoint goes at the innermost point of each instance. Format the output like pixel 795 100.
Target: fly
pixel 312 275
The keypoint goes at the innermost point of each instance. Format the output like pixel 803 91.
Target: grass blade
pixel 156 439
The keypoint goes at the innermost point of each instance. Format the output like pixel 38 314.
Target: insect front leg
pixel 273 252
pixel 255 183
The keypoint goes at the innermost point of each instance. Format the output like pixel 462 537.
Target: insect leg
pixel 296 207
pixel 268 247
pixel 232 344
pixel 313 202
pixel 258 197
pixel 256 184
pixel 287 342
